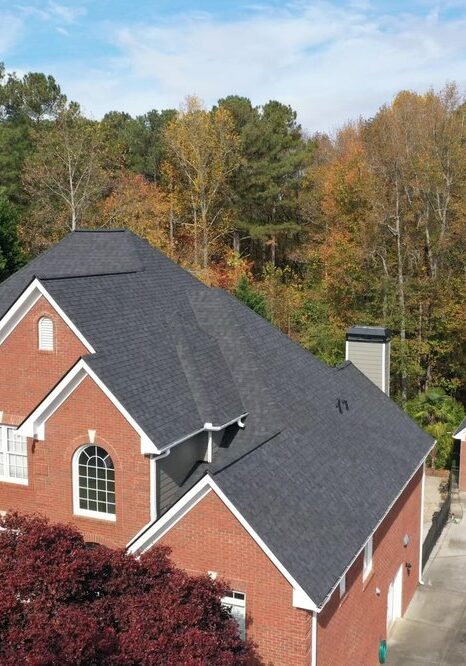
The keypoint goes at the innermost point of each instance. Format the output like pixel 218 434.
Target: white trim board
pixel 150 534
pixel 378 525
pixel 460 435
pixel 23 305
pixel 34 424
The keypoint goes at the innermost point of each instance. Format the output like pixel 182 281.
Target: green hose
pixel 383 651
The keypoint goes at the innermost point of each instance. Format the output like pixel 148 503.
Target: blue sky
pixel 331 60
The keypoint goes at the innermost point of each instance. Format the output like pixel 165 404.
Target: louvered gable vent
pixel 46 334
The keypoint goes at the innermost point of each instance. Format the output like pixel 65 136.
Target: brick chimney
pixel 368 348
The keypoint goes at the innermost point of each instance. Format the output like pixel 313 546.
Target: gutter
pixel 207 427
pixel 421 465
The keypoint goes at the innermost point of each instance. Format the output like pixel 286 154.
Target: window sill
pixel 16 482
pixel 99 517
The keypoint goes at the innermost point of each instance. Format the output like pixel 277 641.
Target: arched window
pixel 46 341
pixel 94 482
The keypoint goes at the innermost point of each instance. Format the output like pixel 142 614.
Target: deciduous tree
pixel 63 601
pixel 203 149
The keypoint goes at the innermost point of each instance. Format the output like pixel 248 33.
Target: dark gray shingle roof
pixel 460 427
pixel 312 480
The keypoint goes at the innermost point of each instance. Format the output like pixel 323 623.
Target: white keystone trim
pixel 34 424
pixel 25 302
pixel 149 535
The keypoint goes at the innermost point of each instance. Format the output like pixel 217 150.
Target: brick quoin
pixel 29 373
pixel 349 631
pixel 210 538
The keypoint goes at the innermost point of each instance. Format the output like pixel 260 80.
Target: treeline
pixel 315 232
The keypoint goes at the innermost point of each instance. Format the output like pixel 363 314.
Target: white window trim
pixel 368 558
pixel 236 600
pixel 44 345
pixel 342 586
pixel 6 478
pixel 99 515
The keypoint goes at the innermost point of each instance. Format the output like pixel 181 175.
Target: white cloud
pixel 329 62
pixel 65 13
pixel 53 11
pixel 10 31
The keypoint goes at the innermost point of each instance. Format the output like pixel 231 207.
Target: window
pixel 46 334
pixel 343 587
pixel 13 456
pixel 236 604
pixel 367 566
pixel 94 483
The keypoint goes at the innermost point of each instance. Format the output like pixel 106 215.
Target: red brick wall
pixel 27 374
pixel 210 538
pixel 462 471
pixel 50 471
pixel 349 630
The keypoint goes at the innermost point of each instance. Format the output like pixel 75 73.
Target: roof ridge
pixel 99 231
pixel 86 275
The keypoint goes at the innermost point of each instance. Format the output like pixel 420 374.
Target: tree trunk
pixel 205 239
pixel 273 250
pixel 401 298
pixel 236 242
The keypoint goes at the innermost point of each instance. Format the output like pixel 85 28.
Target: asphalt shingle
pixel 312 480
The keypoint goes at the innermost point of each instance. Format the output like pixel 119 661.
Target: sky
pixel 332 61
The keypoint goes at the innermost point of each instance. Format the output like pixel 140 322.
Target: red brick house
pixel 145 407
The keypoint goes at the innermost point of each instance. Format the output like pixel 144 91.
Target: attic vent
pixel 46 334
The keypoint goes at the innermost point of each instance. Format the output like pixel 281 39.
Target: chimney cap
pixel 368 334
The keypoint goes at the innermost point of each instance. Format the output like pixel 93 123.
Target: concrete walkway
pixel 433 631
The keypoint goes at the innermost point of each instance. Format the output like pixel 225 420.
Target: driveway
pixel 433 631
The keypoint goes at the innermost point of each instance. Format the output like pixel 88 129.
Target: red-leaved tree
pixel 65 602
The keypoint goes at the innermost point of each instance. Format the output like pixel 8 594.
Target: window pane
pixel 2 469
pixel 16 443
pixel 17 466
pixel 96 493
pixel 237 608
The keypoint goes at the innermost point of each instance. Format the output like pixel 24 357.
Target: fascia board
pixel 148 536
pixel 25 302
pixel 33 425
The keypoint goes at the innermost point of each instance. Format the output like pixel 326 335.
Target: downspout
pixel 314 639
pixel 421 530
